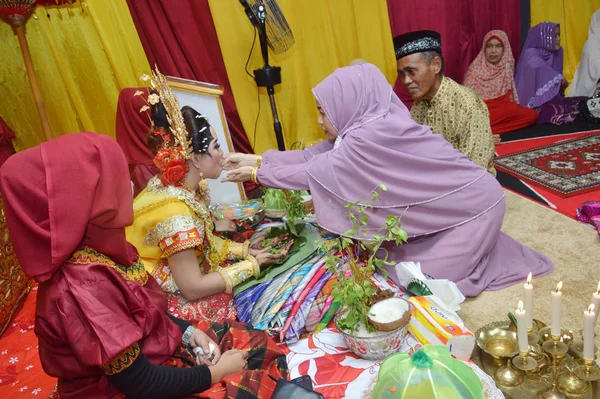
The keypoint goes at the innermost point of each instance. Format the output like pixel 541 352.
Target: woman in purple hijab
pixel 539 79
pixel 451 208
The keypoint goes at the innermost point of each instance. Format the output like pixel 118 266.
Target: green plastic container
pixel 430 373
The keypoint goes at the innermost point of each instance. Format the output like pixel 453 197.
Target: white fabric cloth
pixel 588 71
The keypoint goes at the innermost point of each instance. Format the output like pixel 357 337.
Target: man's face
pixel 418 76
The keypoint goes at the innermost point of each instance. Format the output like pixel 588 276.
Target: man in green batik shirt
pixel 449 109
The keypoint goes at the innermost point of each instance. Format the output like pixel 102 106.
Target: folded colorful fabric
pixel 276 294
pixel 301 299
pixel 317 310
pixel 335 305
pixel 246 300
pixel 296 327
pixel 277 322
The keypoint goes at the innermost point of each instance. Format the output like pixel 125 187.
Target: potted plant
pixel 372 323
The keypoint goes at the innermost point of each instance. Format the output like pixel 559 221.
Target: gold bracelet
pixel 253 175
pixel 255 265
pixel 238 273
pixel 236 250
pixel 258 161
pixel 246 249
pixel 226 279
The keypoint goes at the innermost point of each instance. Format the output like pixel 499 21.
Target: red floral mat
pixel 566 168
pixel 21 373
pixel 335 371
pixel 565 205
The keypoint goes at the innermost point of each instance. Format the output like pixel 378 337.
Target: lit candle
pixel 528 301
pixel 521 316
pixel 596 301
pixel 556 302
pixel 589 318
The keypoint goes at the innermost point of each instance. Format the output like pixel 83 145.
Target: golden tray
pixel 534 383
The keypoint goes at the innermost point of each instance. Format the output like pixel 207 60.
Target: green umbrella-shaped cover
pixel 430 373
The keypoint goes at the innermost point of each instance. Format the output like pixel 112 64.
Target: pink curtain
pixel 462 24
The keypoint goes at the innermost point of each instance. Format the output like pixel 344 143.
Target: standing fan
pixel 274 32
pixel 17 11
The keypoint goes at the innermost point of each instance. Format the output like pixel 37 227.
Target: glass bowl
pixel 377 345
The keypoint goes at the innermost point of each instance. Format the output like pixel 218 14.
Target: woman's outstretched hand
pixel 238 175
pixel 235 160
pixel 267 258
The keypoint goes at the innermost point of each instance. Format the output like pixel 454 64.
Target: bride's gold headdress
pixel 158 82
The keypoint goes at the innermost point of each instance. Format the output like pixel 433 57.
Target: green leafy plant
pixel 291 201
pixel 354 289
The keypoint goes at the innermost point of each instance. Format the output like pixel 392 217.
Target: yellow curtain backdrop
pixel 329 34
pixel 574 19
pixel 84 54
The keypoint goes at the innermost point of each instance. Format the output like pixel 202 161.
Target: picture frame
pixel 206 99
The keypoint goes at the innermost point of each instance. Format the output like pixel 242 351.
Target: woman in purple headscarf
pixel 451 208
pixel 539 79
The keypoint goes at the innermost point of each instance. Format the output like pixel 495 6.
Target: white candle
pixel 528 301
pixel 589 318
pixel 596 301
pixel 521 316
pixel 556 302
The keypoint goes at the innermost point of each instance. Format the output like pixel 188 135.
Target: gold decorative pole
pixel 17 21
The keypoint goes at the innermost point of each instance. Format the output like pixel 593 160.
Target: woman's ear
pixel 196 159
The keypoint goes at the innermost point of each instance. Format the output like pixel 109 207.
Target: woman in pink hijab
pixel 491 75
pixel 451 208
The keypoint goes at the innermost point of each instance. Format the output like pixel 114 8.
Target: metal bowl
pixel 498 341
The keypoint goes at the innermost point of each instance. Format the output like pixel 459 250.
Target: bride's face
pixel 209 163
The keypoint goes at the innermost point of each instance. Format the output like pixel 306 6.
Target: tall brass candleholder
pixel 588 371
pixel 524 362
pixel 558 372
pixel 557 351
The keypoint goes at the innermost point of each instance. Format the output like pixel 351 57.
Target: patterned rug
pixel 567 168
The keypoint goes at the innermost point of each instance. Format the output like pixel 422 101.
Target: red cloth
pixel 183 42
pixel 462 24
pixel 506 116
pixel 131 131
pixel 69 192
pixel 65 193
pixel 6 145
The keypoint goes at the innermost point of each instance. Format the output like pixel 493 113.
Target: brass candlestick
pixel 508 376
pixel 524 362
pixel 568 382
pixel 557 351
pixel 588 371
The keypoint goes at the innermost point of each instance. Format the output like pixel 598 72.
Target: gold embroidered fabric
pixel 176 234
pixel 458 113
pixel 199 207
pixel 87 256
pixel 15 284
pixel 124 360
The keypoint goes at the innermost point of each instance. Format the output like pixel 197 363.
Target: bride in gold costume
pixel 173 228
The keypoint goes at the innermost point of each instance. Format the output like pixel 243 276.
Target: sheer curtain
pixel 83 55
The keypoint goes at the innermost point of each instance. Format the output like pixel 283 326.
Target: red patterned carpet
pixel 566 168
pixel 554 167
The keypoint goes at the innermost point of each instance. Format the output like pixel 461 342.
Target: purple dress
pixel 539 77
pixel 451 208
